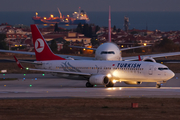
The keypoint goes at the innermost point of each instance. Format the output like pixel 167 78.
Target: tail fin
pixel 109 24
pixel 42 50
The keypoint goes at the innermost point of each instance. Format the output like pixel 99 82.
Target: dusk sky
pixel 90 5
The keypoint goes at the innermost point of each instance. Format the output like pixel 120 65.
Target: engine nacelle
pixel 149 59
pixel 133 82
pixel 99 80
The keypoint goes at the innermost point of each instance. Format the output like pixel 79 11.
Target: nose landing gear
pixel 158 85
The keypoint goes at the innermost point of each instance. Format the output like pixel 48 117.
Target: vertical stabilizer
pixel 109 24
pixel 42 50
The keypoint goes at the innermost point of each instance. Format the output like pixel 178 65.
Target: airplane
pixel 96 72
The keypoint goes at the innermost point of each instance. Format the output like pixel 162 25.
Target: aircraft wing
pixel 123 49
pixel 62 72
pixel 152 55
pixel 63 56
pixel 17 52
pixel 83 47
pixel 51 71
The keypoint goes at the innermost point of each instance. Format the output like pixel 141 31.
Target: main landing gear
pixel 158 85
pixel 88 84
pixel 110 84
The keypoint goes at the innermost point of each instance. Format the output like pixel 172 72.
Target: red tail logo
pixel 42 50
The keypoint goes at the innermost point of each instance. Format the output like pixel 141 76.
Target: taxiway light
pixel 35 79
pixel 95 85
pixel 24 74
pixel 4 85
pixel 27 68
pixel 43 74
pixel 30 85
pixel 109 88
pixel 4 74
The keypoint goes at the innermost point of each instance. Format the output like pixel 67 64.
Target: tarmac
pixel 48 86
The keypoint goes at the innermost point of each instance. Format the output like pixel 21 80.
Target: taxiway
pixel 48 86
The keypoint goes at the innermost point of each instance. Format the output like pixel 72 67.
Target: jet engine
pixel 133 82
pixel 149 59
pixel 99 80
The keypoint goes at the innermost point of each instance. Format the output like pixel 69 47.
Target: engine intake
pixel 149 59
pixel 99 80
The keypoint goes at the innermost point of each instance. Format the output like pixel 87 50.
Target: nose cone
pixel 171 74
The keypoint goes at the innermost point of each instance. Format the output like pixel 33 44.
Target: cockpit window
pixel 163 68
pixel 107 52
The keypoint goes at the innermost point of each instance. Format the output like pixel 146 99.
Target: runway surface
pixel 48 86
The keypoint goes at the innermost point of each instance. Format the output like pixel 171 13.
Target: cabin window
pixel 163 68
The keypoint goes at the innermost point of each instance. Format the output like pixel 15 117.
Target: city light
pixel 52 15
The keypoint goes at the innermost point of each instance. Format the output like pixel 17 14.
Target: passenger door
pixel 151 70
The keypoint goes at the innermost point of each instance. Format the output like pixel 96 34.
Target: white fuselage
pixel 119 70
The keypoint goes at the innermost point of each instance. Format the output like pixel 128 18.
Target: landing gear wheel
pixel 158 85
pixel 110 84
pixel 88 84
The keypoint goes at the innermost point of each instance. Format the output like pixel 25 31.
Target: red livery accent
pixel 139 57
pixel 42 50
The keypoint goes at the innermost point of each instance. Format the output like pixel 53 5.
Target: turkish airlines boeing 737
pixel 96 72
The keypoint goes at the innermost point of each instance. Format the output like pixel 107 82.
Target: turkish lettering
pixel 129 65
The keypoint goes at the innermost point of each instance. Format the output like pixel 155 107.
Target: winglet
pixel 18 63
pixel 139 57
